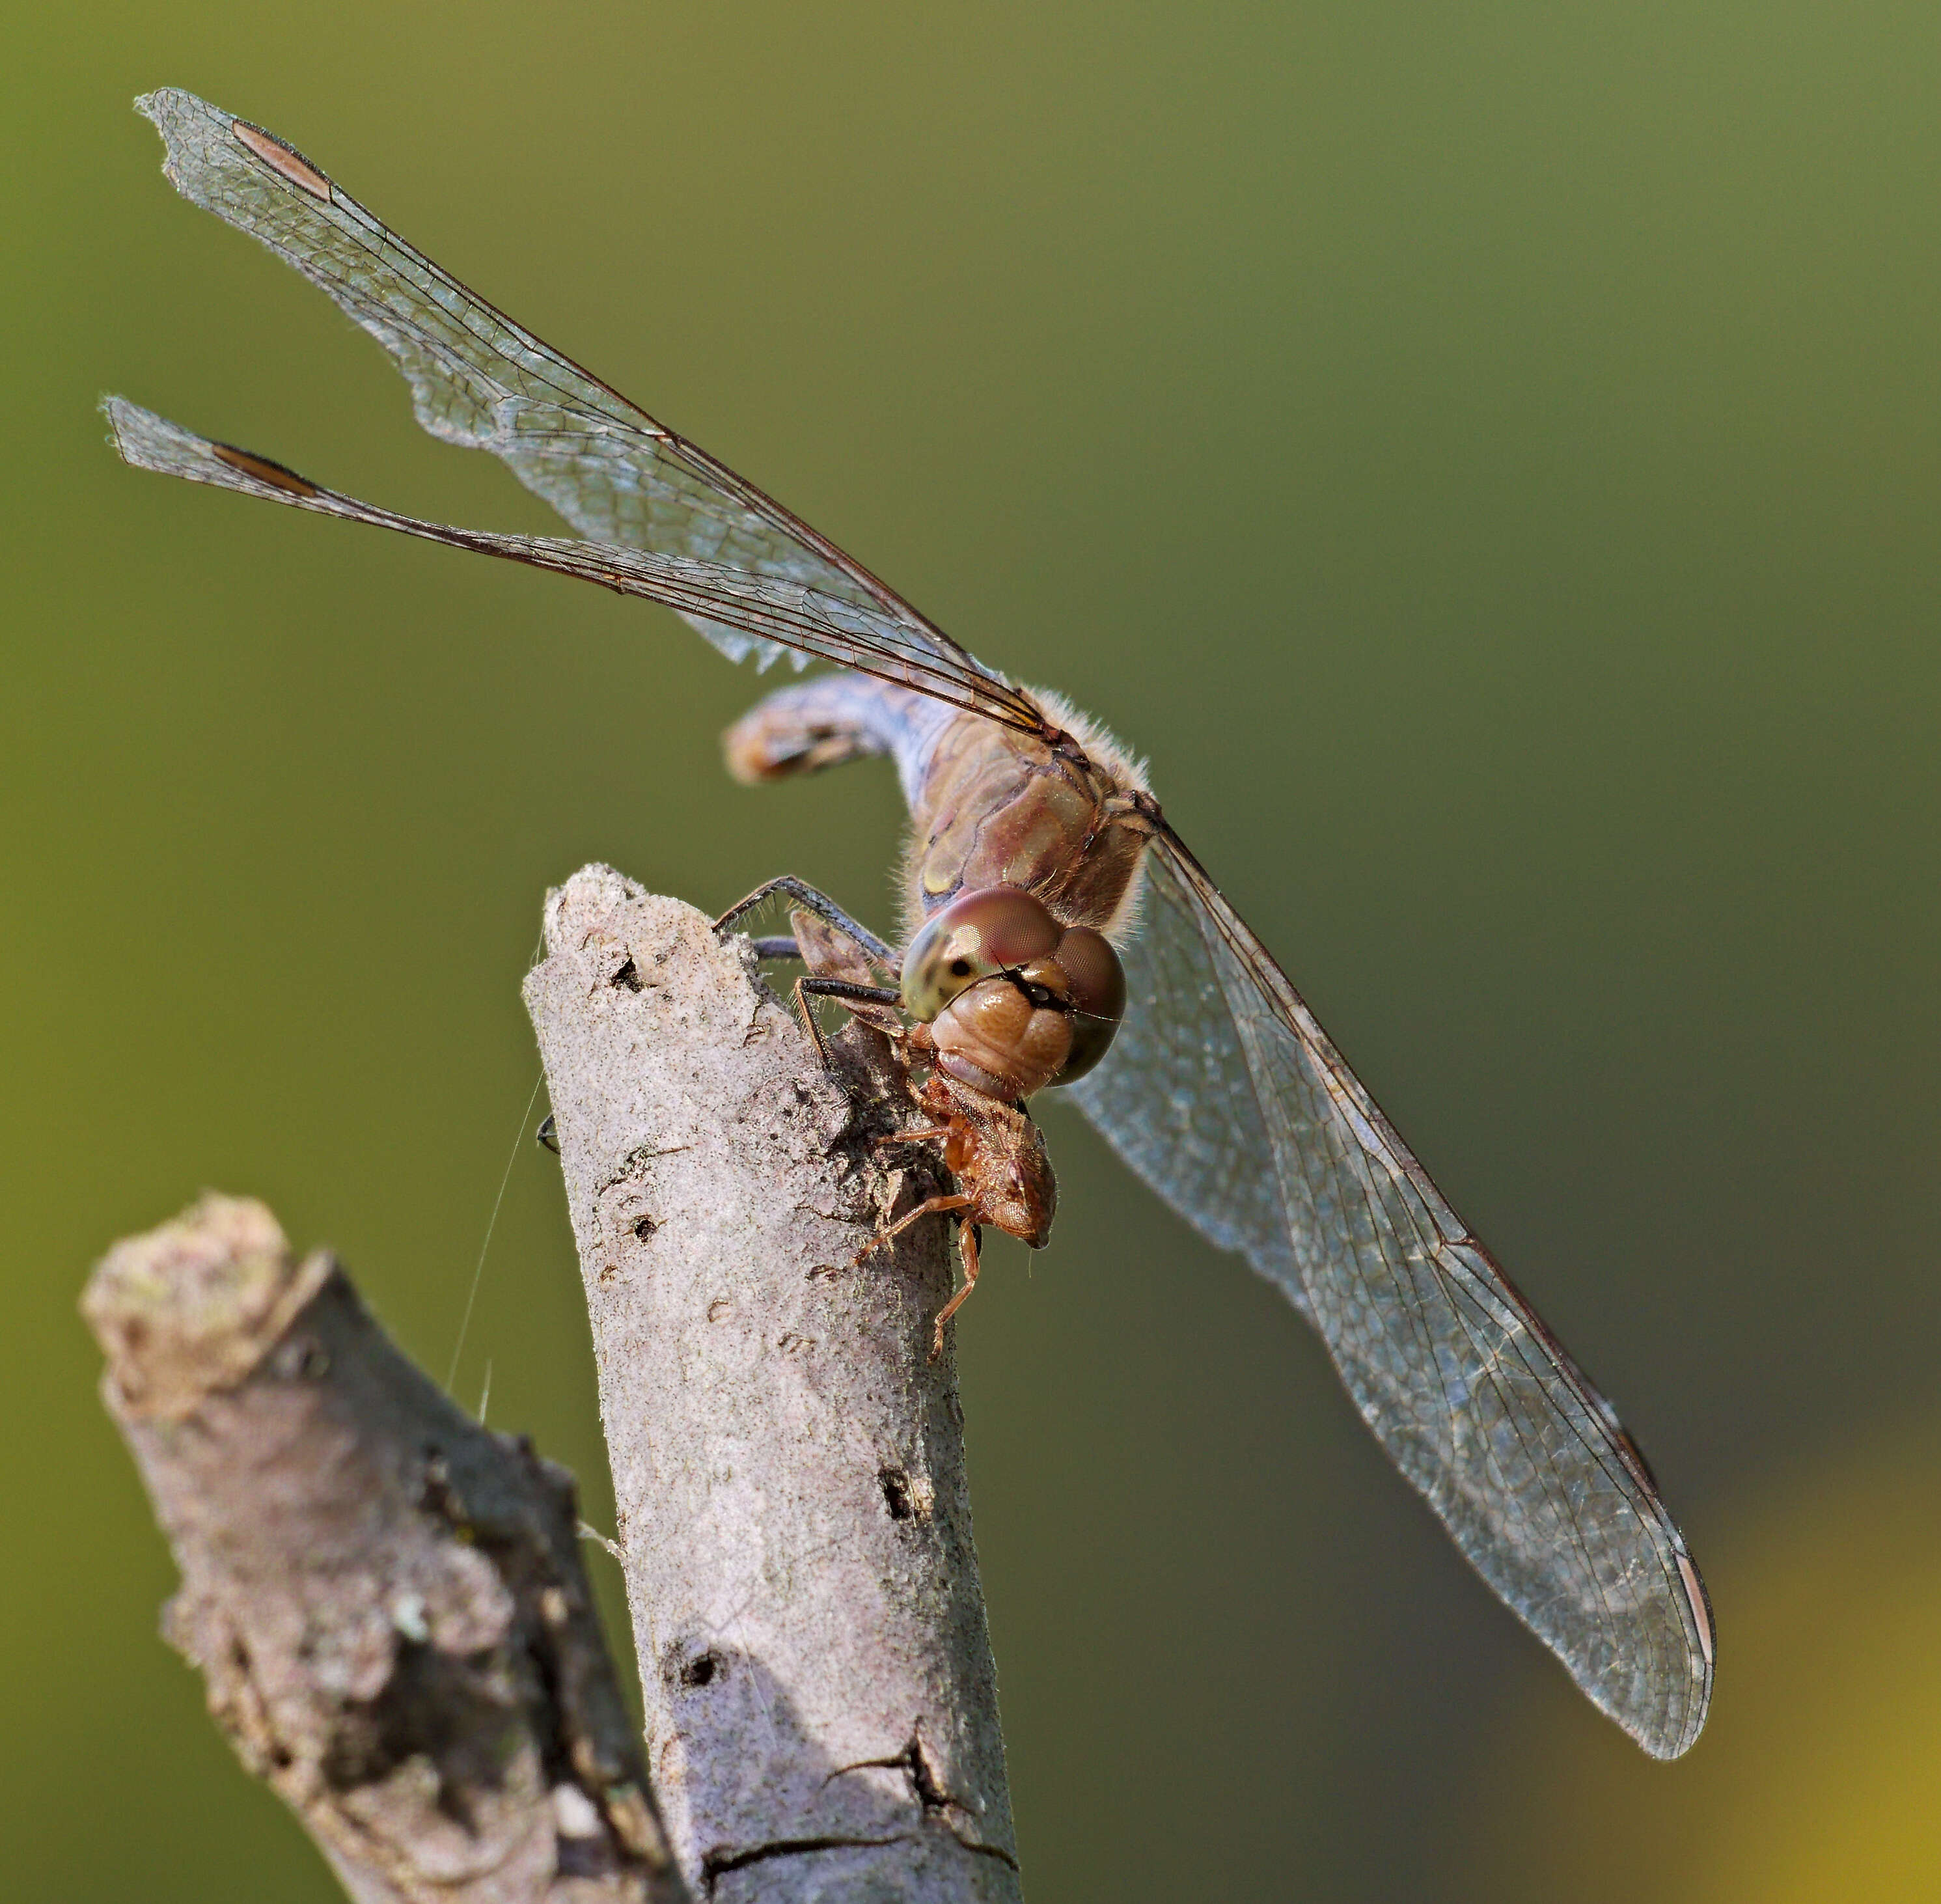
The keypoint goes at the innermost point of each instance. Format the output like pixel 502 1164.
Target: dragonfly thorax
pixel 1055 814
pixel 995 808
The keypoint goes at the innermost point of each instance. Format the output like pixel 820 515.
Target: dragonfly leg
pixel 967 1241
pixel 930 1206
pixel 776 948
pixel 805 1012
pixel 844 991
pixel 822 905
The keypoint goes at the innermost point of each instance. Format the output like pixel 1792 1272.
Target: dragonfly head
pixel 1015 1000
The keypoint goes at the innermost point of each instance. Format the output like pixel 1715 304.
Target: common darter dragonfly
pixel 1037 844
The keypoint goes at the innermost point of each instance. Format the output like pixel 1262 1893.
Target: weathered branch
pixel 789 1468
pixel 387 1600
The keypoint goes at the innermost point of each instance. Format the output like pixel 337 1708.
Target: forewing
pixel 758 608
pixel 480 379
pixel 1227 1096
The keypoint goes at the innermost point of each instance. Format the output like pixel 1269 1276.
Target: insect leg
pixel 967 1241
pixel 844 991
pixel 930 1206
pixel 805 1012
pixel 849 991
pixel 821 906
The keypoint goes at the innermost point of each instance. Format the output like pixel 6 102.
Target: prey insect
pixel 995 1000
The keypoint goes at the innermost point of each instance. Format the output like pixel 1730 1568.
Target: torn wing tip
pixel 116 409
pixel 166 104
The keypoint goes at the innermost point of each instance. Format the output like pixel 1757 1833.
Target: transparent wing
pixel 1165 1095
pixel 480 379
pixel 1227 1097
pixel 757 609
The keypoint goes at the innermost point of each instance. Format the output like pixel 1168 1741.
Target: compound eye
pixel 1097 978
pixel 1097 990
pixel 975 937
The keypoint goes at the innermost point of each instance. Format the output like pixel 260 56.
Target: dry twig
pixel 386 1600
pixel 820 1697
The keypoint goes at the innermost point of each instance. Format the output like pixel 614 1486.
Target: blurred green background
pixel 1489 455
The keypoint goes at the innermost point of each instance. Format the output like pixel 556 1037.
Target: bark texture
pixel 821 1711
pixel 387 1600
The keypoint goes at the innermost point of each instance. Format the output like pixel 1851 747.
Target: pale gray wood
pixel 821 1710
pixel 386 1600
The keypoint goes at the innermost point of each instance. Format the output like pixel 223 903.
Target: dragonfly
pixel 1216 1085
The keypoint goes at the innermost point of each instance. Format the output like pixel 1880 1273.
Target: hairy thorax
pixel 998 809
